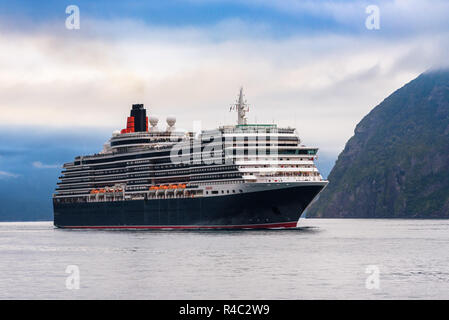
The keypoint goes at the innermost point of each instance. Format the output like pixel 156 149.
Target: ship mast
pixel 241 107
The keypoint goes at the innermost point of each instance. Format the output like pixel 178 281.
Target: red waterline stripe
pixel 247 226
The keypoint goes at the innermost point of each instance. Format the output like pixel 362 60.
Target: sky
pixel 310 64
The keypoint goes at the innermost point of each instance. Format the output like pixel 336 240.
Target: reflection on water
pixel 321 259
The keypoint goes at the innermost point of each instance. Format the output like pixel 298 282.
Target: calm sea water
pixel 325 259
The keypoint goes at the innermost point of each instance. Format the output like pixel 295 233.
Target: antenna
pixel 241 107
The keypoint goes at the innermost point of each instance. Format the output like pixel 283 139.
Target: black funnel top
pixel 140 115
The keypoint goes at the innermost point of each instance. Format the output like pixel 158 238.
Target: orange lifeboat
pixel 163 187
pixel 181 186
pixel 154 188
pixel 173 186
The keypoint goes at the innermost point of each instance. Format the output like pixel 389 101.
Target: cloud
pixel 5 174
pixel 322 83
pixel 40 165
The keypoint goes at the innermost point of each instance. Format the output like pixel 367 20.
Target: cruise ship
pixel 234 177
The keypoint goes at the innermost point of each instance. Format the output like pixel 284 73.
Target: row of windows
pixel 167 161
pixel 223 192
pixel 262 152
pixel 173 166
pixel 139 168
pixel 155 153
pixel 208 183
pixel 218 176
pixel 156 174
pixel 197 170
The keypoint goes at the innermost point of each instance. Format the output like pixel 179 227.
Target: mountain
pixel 397 163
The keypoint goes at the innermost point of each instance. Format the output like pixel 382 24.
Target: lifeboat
pixel 154 188
pixel 173 186
pixel 181 186
pixel 163 187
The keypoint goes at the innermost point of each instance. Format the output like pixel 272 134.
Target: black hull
pixel 278 208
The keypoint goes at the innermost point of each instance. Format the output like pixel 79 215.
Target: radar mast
pixel 242 108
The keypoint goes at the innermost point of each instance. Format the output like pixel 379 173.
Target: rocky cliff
pixel 397 163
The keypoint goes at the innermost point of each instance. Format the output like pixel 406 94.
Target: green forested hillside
pixel 397 163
